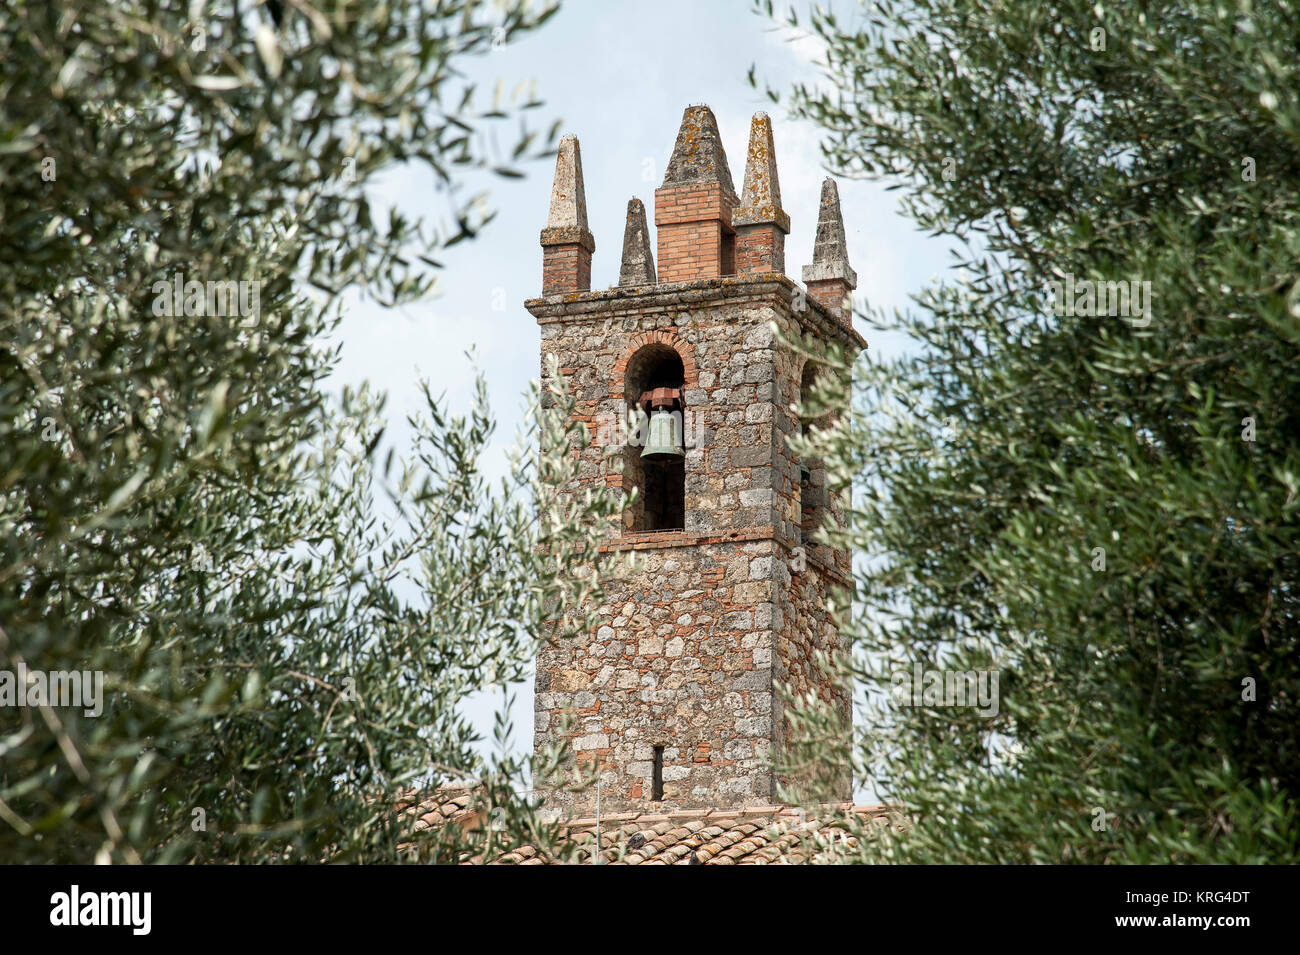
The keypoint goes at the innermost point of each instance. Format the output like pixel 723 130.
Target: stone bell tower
pixel 675 695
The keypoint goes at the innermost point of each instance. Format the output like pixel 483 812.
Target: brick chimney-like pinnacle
pixel 829 278
pixel 760 222
pixel 567 243
pixel 693 207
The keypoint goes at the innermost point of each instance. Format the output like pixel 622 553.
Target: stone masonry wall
pixel 805 583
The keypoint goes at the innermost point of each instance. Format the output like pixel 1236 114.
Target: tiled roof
pixel 757 835
pixel 447 804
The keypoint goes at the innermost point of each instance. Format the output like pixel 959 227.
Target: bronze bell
pixel 664 435
pixel 664 439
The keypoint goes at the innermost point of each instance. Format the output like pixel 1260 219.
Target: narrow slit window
pixel 657 781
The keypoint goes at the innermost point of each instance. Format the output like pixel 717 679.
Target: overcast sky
pixel 619 75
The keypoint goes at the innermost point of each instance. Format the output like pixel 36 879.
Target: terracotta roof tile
pixel 754 835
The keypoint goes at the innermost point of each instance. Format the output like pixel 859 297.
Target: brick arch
pixel 658 336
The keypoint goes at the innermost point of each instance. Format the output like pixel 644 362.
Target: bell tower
pixel 676 696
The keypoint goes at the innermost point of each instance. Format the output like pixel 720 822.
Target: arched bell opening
pixel 654 460
pixel 813 497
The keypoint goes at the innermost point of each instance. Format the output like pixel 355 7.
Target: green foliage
pixel 180 509
pixel 1100 508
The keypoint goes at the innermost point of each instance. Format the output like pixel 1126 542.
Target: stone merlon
pixel 761 224
pixel 638 267
pixel 567 243
pixel 567 221
pixel 760 200
pixel 830 251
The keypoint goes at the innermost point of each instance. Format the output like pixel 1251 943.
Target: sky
pixel 619 75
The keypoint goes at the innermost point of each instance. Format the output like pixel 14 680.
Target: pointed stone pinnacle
pixel 760 201
pixel 638 259
pixel 698 155
pixel 830 251
pixel 568 197
pixel 567 221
